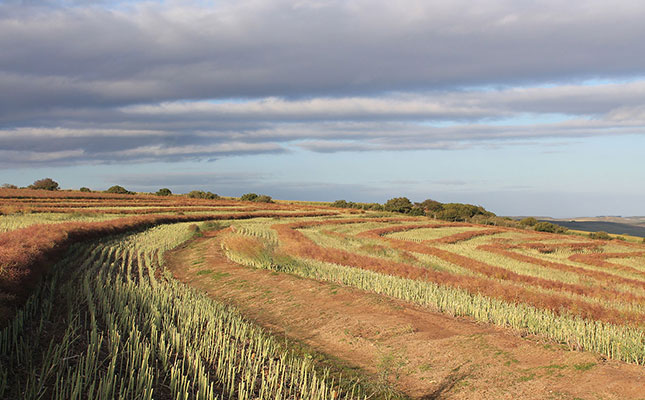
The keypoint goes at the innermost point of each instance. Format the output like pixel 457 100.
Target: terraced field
pixel 569 289
pixel 90 310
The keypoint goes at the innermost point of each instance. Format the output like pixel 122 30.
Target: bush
pixel 339 204
pixel 163 192
pixel 549 227
pixel 530 221
pixel 9 186
pixel 248 197
pixel 398 204
pixel 118 190
pixel 462 212
pixel 200 194
pixel 417 211
pixel 45 184
pixel 263 198
pixel 600 235
pixel 85 189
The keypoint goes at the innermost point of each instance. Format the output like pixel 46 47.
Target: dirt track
pixel 425 354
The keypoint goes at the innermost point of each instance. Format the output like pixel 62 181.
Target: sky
pixel 523 107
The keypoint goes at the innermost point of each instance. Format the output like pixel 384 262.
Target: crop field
pixel 589 294
pixel 89 310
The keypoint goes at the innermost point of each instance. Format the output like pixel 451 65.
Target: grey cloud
pixel 154 52
pixel 171 81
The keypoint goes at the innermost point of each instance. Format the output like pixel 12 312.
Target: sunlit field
pixel 89 309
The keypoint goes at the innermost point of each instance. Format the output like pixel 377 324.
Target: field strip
pixel 296 243
pixel 601 275
pixel 423 353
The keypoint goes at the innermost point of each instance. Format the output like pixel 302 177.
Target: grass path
pixel 424 354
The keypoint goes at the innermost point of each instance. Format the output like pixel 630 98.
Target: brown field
pixel 402 306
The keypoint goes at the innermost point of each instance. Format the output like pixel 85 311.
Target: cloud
pixel 136 81
pixel 151 52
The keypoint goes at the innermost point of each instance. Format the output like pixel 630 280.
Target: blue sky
pixel 525 108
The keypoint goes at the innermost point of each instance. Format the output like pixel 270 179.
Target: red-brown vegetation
pixel 598 260
pixel 460 237
pixel 402 228
pixel 295 243
pixel 600 276
pixel 27 253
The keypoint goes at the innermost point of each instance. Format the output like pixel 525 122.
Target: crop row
pixel 24 253
pixel 297 256
pixel 503 285
pixel 109 323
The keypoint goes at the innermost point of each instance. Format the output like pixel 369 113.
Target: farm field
pixel 380 305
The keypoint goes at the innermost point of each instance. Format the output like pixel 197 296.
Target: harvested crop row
pixel 601 276
pixel 598 260
pixel 403 228
pixel 459 237
pixel 295 243
pixel 26 253
pixel 503 273
pixel 109 324
pixel 133 210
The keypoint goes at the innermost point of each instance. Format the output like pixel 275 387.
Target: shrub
pixel 398 204
pixel 340 204
pixel 118 190
pixel 85 189
pixel 600 235
pixel 45 184
pixel 163 192
pixel 549 227
pixel 263 198
pixel 200 194
pixel 248 197
pixel 9 186
pixel 417 211
pixel 462 212
pixel 529 221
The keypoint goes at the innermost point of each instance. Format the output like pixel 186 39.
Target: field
pixel 90 307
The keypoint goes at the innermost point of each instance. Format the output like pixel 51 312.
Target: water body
pixel 609 227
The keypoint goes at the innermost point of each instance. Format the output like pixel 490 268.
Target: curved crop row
pixel 295 243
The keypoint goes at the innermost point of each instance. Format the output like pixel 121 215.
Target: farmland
pixel 91 309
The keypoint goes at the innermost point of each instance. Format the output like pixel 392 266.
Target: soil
pixel 425 354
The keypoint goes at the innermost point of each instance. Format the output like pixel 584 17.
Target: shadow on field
pixel 448 383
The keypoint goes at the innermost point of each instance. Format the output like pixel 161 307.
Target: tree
pixel 398 204
pixel 85 189
pixel 431 207
pixel 9 186
pixel 248 197
pixel 45 184
pixel 118 190
pixel 163 192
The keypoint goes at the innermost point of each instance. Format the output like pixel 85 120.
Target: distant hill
pixel 596 226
